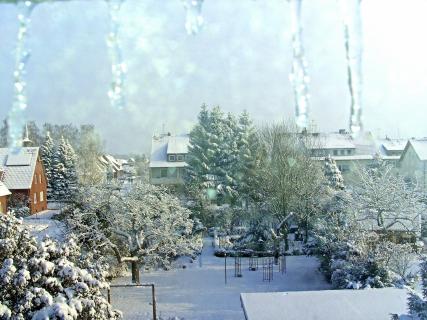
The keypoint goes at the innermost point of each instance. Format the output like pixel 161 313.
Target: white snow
pixel 372 304
pixel 199 291
pixel 41 224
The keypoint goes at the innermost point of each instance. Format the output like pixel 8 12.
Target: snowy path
pixel 199 291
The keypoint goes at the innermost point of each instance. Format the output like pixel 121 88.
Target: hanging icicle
pixel 299 76
pixel 193 19
pixel 353 47
pixel 118 66
pixel 16 116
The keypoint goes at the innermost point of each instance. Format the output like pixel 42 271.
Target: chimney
pixel 26 142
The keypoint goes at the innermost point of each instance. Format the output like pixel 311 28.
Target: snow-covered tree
pixel 44 280
pixel 69 159
pixel 90 149
pixel 418 303
pixel 248 161
pixel 333 174
pixel 146 225
pixel 212 156
pixel 47 151
pixel 385 200
pixel 58 173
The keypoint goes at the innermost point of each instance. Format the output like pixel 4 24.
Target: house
pixel 111 166
pixel 413 162
pixel 23 174
pixel 168 156
pixel 352 153
pixel 4 194
pixel 373 304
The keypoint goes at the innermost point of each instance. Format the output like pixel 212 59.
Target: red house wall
pixel 37 193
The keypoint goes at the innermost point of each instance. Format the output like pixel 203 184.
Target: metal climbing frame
pixel 238 267
pixel 253 263
pixel 267 269
pixel 282 264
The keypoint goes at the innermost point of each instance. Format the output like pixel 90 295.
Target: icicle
pixel 118 66
pixel 353 46
pixel 299 76
pixel 16 116
pixel 193 19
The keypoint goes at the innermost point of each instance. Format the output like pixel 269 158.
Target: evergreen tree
pixel 47 152
pixel 418 303
pixel 212 155
pixel 247 162
pixel 333 174
pixel 59 172
pixel 69 159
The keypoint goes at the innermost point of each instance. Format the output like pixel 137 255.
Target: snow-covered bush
pixel 44 280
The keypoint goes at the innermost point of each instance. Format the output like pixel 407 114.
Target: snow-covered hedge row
pixel 47 280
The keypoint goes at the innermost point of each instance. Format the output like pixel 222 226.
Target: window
pixel 163 173
pixel 342 152
pixel 35 179
pixel 41 196
pixel 349 151
pixel 335 152
pixel 40 178
pixel 35 198
pixel 171 157
pixel 180 157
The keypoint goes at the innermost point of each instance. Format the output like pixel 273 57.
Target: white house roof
pixel 178 144
pixel 370 304
pixel 18 167
pixel 420 147
pixel 164 145
pixel 394 144
pixel 333 141
pixel 4 191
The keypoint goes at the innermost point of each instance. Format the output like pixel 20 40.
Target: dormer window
pixel 180 157
pixel 171 158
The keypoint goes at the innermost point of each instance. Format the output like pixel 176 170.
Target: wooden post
pixel 225 267
pixel 109 295
pixel 153 293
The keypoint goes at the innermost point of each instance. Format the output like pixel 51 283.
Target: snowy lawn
pixel 42 224
pixel 199 291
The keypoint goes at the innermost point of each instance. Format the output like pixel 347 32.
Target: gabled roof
pixel 333 141
pixel 420 147
pixel 4 191
pixel 18 167
pixel 393 144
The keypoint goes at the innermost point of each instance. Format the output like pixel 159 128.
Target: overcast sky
pixel 240 60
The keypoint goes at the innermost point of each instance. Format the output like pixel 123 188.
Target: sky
pixel 241 59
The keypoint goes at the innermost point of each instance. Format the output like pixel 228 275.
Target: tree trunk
pixel 135 272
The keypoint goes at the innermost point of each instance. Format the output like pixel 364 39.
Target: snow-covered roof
pixel 333 141
pixel 178 144
pixel 109 160
pixel 371 304
pixel 393 144
pixel 164 145
pixel 4 191
pixel 420 147
pixel 18 167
